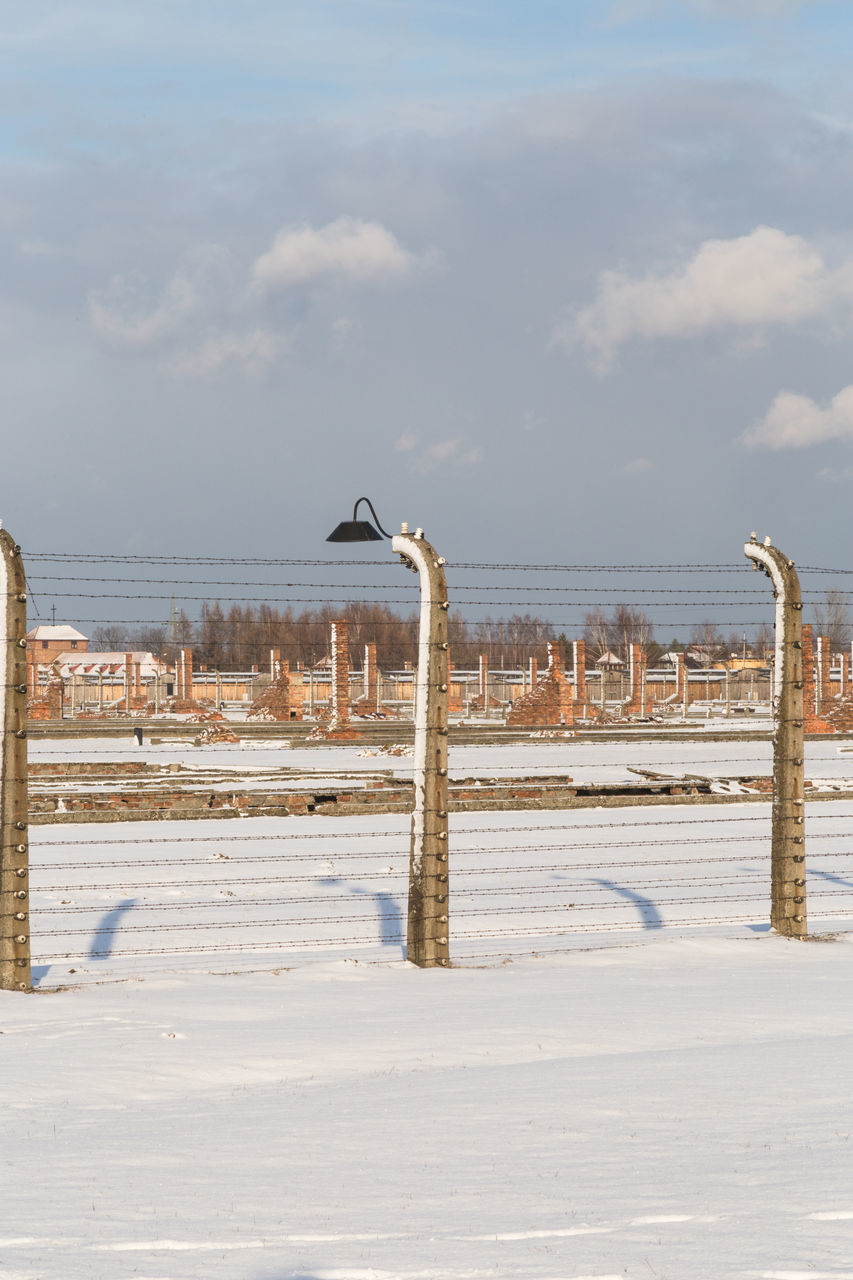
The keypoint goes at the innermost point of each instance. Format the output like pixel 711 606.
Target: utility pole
pixel 788 846
pixel 14 864
pixel 427 939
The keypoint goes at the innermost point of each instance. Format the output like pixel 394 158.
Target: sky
pixel 560 281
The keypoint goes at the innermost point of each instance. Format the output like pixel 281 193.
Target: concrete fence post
pixel 14 861
pixel 788 847
pixel 428 937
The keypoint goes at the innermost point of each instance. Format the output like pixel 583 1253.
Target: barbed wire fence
pixel 519 888
pixel 110 903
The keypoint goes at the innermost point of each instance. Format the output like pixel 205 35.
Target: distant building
pixel 97 663
pixel 610 662
pixel 46 643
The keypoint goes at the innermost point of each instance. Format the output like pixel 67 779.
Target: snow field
pixel 624 1075
pixel 679 1109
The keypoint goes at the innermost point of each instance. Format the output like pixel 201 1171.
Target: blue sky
pixel 591 263
pixel 262 60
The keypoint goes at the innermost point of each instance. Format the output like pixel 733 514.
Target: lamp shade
pixel 354 531
pixel 358 530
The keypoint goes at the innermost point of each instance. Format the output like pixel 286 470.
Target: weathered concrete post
pixel 14 863
pixel 788 848
pixel 427 940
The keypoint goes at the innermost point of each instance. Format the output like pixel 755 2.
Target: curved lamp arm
pixel 373 513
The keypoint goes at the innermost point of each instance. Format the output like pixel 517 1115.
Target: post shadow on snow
pixel 390 915
pixel 649 915
pixel 827 875
pixel 109 926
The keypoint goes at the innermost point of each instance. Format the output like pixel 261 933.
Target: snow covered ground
pixel 130 898
pixel 583 760
pixel 679 1110
pixel 625 1073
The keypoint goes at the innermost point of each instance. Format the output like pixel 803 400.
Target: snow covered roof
pixel 609 659
pixel 63 632
pixel 95 663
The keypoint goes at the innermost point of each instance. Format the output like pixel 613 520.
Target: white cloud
pixel 252 353
pixel 636 466
pixel 405 443
pixel 118 317
pixel 348 247
pixel 794 422
pixel 764 278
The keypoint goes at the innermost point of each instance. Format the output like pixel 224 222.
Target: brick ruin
pixel 336 725
pixel 578 676
pixel 483 700
pixel 636 704
pixel 281 701
pixel 550 702
pixel 135 698
pixel 368 703
pixel 812 685
pixel 44 703
pixel 559 698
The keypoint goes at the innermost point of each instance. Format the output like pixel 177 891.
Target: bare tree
pixel 110 638
pixel 595 632
pixel 832 619
pixel 618 631
pixel 707 638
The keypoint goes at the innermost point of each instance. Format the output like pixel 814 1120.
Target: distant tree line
pixel 242 636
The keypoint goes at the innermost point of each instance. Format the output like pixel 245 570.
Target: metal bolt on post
pixel 428 937
pixel 14 865
pixel 788 846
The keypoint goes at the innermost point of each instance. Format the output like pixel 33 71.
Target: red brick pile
pixel 550 702
pixel 274 704
pixel 214 734
pixel 47 706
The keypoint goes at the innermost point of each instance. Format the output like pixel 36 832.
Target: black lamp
pixel 358 530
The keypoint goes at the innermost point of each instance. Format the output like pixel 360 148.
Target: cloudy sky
pixel 559 280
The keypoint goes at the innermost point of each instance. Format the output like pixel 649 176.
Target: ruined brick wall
pixel 183 676
pixel 371 678
pixel 275 701
pixel 134 697
pixel 550 703
pixel 636 704
pixel 368 703
pixel 337 723
pixel 812 722
pixel 340 672
pixel 183 699
pixel 823 689
pixel 49 704
pixel 579 675
pixel 297 693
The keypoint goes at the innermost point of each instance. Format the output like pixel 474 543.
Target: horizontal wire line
pixel 563 887
pixel 364 835
pixel 690 592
